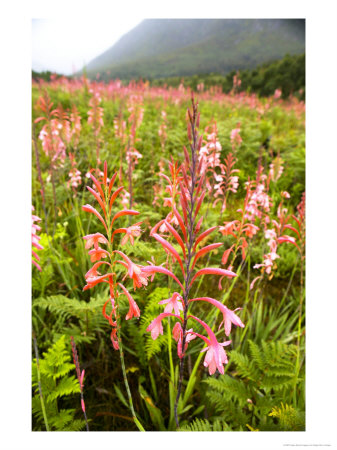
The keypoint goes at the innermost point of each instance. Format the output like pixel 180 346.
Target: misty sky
pixel 64 46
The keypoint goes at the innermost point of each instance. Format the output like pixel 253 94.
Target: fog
pixel 65 46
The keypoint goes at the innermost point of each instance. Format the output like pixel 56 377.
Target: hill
pixel 181 47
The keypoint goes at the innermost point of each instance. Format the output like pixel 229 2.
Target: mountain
pixel 180 47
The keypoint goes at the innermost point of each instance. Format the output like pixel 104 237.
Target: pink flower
pixel 229 228
pixel 130 233
pixel 277 94
pixel 250 230
pixel 133 310
pixel 270 234
pixel 213 271
pixel 286 238
pixel 135 271
pixel 156 326
pixel 97 254
pixel 94 239
pixel 229 317
pixel 235 137
pixel 216 356
pixel 93 281
pixel 173 303
pixel 268 262
pixel 177 333
pixel 93 272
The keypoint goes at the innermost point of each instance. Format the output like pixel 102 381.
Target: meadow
pixel 168 275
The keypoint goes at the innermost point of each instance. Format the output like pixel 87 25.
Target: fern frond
pixel 245 367
pixel 66 386
pixel 151 311
pixel 289 418
pixel 56 383
pixel 205 425
pixel 229 388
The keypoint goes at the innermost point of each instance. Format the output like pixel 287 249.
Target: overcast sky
pixel 64 46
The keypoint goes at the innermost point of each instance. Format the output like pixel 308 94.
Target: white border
pixel 321 224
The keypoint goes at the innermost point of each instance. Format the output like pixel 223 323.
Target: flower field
pixel 168 258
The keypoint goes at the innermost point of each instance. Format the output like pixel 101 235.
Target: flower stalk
pixel 103 193
pixel 187 182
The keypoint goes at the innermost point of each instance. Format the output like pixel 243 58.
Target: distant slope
pixel 177 47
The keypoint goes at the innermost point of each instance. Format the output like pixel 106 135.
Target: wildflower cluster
pixel 241 230
pixel 52 143
pixel 259 202
pixel 221 176
pixel 275 236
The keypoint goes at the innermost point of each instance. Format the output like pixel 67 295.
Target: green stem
pixel 172 378
pixel 118 323
pixel 191 380
pixel 121 353
pixel 39 382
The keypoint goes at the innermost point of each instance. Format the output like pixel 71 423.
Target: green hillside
pixel 180 47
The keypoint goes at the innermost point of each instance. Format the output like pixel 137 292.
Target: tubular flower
pixel 156 327
pixel 135 271
pixel 177 333
pixel 229 316
pixel 94 240
pixel 173 303
pixel 133 310
pixel 216 356
pixel 130 233
pixel 97 254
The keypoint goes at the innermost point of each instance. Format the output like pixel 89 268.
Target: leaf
pixel 155 413
pixel 120 395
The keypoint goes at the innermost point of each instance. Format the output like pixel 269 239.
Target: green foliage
pixel 154 411
pixel 289 418
pixel 205 425
pixel 262 378
pixel 151 311
pixel 73 317
pixel 287 74
pixel 57 385
pixel 270 311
